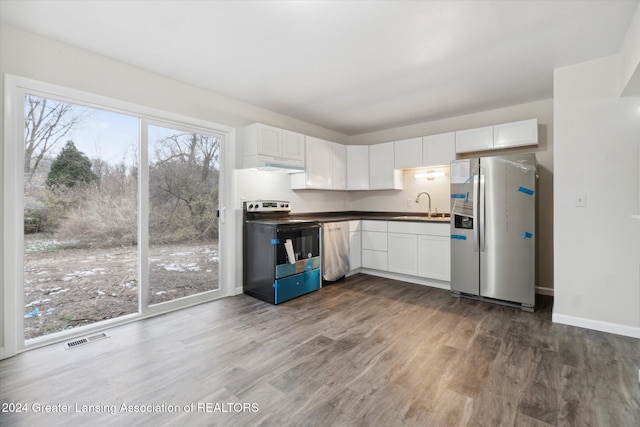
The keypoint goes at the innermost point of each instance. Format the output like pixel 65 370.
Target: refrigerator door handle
pixel 481 214
pixel 476 237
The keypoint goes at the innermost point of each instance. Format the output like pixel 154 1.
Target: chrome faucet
pixel 429 198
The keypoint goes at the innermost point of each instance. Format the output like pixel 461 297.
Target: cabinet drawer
pixel 369 225
pixel 294 286
pixel 421 228
pixel 374 259
pixel 374 241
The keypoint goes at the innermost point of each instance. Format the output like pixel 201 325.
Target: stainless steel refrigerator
pixel 493 229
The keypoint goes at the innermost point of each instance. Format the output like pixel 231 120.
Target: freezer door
pixel 507 236
pixel 465 258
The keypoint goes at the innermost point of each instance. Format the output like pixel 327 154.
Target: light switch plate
pixel 580 200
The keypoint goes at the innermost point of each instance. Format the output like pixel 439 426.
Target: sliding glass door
pixel 184 175
pixel 114 217
pixel 80 191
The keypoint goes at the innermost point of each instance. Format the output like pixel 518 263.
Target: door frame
pixel 12 213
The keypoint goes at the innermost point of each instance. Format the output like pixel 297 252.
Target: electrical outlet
pixel 580 200
pixel 409 203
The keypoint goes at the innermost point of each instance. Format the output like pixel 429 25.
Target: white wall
pixel 597 247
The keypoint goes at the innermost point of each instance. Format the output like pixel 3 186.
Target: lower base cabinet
pixel 403 253
pixel 434 257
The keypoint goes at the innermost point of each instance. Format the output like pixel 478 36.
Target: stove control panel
pixel 267 206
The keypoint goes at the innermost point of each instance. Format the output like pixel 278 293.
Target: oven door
pixel 305 239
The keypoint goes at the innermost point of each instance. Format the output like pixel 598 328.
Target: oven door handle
pixel 301 226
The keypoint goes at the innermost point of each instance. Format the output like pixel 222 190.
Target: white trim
pixel 405 278
pixel 541 290
pixel 597 325
pixel 11 296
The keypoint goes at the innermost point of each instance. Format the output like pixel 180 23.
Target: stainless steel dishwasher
pixel 335 250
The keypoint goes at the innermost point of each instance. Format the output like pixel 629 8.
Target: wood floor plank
pixel 365 351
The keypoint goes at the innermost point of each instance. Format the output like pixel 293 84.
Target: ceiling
pixel 350 66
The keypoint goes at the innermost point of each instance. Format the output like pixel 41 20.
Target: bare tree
pixel 46 123
pixel 184 184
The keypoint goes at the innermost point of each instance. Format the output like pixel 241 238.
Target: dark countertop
pixel 379 216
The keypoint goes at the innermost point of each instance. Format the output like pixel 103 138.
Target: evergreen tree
pixel 72 168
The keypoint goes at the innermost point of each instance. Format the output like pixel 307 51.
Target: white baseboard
pixel 544 291
pixel 597 325
pixel 411 279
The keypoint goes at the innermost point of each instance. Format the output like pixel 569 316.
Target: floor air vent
pixel 85 340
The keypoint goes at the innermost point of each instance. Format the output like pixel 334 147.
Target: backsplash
pixel 255 184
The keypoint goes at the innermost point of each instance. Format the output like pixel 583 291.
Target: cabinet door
pixel 357 167
pixel 434 257
pixel 474 139
pixel 403 253
pixel 292 147
pixel 374 240
pixel 439 149
pixel 382 174
pixel 516 134
pixel 268 140
pixel 355 250
pixel 318 163
pixel 408 153
pixel 339 166
pixel 376 260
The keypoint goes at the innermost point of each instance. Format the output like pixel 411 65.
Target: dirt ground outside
pixel 67 288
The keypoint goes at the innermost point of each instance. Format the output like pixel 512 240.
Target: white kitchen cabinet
pixel 317 172
pixel 438 149
pixel 269 146
pixel 434 257
pixel 408 153
pixel 516 134
pixel 357 167
pixel 506 135
pixel 338 166
pixel 477 139
pixel 374 245
pixel 420 249
pixel 355 246
pixel 403 253
pixel 375 260
pixel 382 172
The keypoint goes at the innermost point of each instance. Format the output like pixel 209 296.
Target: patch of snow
pixel 161 292
pixel 36 302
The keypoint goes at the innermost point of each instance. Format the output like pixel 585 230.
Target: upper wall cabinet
pixel 338 166
pixel 408 153
pixel 357 167
pixel 439 149
pixel 318 161
pixel 382 172
pixel 478 139
pixel 270 147
pixel 516 134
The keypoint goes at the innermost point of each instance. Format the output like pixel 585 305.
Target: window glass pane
pixel 184 172
pixel 80 216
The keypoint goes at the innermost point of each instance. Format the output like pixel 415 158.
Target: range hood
pixel 266 163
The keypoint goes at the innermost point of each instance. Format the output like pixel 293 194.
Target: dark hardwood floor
pixel 362 352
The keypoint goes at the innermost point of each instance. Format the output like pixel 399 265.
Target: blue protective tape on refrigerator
pixel 275 241
pixel 457 196
pixel 458 237
pixel 527 235
pixel 525 190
